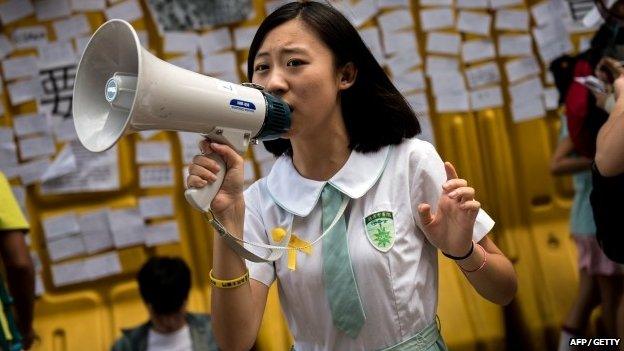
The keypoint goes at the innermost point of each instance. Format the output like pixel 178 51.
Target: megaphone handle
pixel 201 198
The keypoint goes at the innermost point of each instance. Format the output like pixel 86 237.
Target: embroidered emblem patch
pixel 380 230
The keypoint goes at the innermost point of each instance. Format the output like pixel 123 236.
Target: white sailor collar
pixel 298 195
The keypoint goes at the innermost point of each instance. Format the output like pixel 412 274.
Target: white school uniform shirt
pixel 398 288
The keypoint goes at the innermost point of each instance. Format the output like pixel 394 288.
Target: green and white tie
pixel 340 285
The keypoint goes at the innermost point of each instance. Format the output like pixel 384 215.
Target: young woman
pixel 372 282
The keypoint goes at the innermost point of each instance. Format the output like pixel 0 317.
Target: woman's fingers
pixel 194 181
pixel 453 184
pixel 201 172
pixel 424 210
pixel 472 205
pixel 207 163
pixel 463 194
pixel 232 158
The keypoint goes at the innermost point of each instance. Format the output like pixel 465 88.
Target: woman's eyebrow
pixel 285 50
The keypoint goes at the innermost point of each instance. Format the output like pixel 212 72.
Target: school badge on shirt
pixel 380 230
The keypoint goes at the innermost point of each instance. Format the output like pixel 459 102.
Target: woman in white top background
pixel 372 282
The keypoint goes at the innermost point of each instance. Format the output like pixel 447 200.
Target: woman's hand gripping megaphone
pixel 215 180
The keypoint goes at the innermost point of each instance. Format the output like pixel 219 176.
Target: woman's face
pixel 295 65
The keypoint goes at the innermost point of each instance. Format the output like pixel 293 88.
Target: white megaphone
pixel 122 88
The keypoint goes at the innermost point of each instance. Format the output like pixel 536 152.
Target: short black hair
pixel 164 283
pixel 374 111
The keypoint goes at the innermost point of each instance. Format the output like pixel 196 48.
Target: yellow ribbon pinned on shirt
pixel 295 244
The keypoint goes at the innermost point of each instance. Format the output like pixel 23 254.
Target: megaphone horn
pixel 122 88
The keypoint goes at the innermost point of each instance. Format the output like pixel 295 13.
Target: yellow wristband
pixel 229 284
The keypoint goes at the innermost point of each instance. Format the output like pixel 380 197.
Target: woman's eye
pixel 294 63
pixel 261 67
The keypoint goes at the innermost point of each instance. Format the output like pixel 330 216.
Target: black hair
pixel 374 111
pixel 164 283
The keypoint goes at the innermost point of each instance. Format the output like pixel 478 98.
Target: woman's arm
pixel 610 142
pixel 496 281
pixel 236 312
pixel 563 163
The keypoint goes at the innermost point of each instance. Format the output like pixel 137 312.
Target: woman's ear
pixel 347 75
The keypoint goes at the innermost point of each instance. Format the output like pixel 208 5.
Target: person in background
pixel 17 262
pixel 164 284
pixel 600 279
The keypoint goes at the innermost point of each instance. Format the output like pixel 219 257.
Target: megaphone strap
pixel 237 244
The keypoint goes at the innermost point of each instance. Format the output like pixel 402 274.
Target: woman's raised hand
pixel 450 228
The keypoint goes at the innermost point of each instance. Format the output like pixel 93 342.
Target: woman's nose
pixel 276 84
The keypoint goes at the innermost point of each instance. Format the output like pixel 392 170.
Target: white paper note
pixel 400 42
pixel 181 42
pixel 384 4
pixel 362 11
pixel 88 5
pixel 72 27
pixel 36 146
pixel 478 50
pixel 528 90
pixel 60 226
pixel 219 63
pixel 472 4
pixel 104 265
pixel 447 83
pixel 29 37
pixel 6 135
pixel 6 47
pixel 419 103
pixel 486 98
pixel 96 232
pixel 436 3
pixel 155 176
pixel 474 22
pixel 443 43
pixel 30 172
pixel 128 10
pixel 436 64
pixel 8 157
pixel 68 273
pixel 66 247
pixel 127 227
pixel 15 10
pixel 51 9
pixel 156 206
pixel 56 54
pixel 395 21
pixel 215 41
pixel 188 62
pixel 439 18
pixel 515 45
pixel 27 124
pixel 243 37
pixel 512 20
pixel 64 163
pixel 458 102
pixel 95 172
pixel 403 62
pixel 497 4
pixel 409 81
pixel 521 68
pixel 543 12
pixel 482 75
pixel 153 152
pixel 25 90
pixel 162 233
pixel 20 67
pixel 527 110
